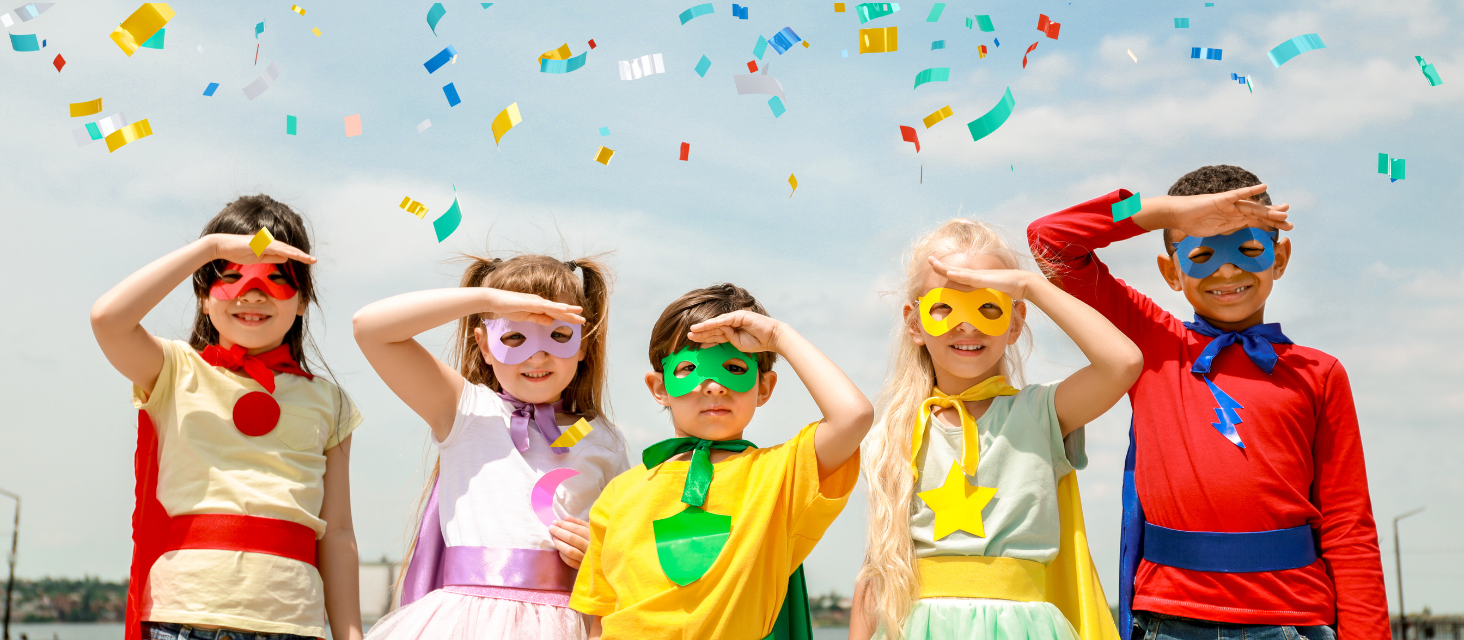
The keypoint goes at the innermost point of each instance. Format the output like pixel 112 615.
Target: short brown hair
pixel 700 305
pixel 1215 178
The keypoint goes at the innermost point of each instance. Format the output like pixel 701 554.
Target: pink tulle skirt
pixel 445 615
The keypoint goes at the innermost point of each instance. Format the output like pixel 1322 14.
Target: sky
pixel 1375 278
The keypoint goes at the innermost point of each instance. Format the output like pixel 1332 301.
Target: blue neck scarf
pixel 1256 341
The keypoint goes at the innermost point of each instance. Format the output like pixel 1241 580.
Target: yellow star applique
pixel 958 504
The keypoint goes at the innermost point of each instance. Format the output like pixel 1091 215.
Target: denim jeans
pixel 170 631
pixel 1156 626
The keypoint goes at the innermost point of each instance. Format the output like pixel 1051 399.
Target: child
pixel 1246 462
pixel 522 413
pixel 980 519
pixel 705 539
pixel 243 479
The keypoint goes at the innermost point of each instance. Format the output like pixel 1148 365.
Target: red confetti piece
pixel 592 43
pixel 908 133
pixel 686 151
pixel 59 62
pixel 1047 26
pixel 752 66
pixel 1024 56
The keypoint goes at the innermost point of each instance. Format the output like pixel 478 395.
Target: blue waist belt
pixel 1230 552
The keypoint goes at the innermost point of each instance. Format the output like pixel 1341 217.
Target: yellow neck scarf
pixel 970 443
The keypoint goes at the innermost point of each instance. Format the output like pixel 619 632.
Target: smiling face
pixel 1230 297
pixel 541 378
pixel 253 319
pixel 712 411
pixel 963 356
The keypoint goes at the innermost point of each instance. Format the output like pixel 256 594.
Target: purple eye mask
pixel 536 338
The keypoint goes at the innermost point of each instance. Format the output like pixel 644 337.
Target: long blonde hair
pixel 892 583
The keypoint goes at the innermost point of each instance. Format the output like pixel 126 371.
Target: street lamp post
pixel 10 584
pixel 1398 559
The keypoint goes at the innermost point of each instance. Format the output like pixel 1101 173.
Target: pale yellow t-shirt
pixel 779 510
pixel 206 465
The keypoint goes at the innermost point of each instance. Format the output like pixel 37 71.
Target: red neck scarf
pixel 260 368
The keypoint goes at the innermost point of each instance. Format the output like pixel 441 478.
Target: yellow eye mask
pixel 966 306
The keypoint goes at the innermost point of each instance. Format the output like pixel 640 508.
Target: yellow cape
pixel 1072 579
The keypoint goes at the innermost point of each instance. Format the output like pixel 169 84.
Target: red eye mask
pixel 251 276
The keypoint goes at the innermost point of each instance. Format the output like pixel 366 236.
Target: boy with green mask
pixel 706 539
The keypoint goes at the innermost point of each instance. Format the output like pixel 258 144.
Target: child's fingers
pixel 573 562
pixel 573 530
pixel 571 554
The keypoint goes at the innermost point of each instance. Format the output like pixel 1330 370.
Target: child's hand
pixel 749 332
pixel 235 248
pixel 527 306
pixel 1013 282
pixel 1220 213
pixel 572 539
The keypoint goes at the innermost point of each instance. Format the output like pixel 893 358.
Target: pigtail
pixel 465 343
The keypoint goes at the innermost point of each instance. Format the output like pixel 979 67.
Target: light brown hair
pixel 668 336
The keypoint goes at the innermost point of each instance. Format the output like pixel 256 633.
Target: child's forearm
pixel 1155 213
pixel 861 613
pixel 847 414
pixel 403 317
pixel 340 567
pixel 125 305
pixel 595 629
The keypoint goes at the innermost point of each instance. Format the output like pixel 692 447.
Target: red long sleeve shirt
pixel 1302 463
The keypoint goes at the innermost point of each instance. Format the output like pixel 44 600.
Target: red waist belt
pixel 243 533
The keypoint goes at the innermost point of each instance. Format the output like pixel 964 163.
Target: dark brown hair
pixel 700 305
pixel 1215 178
pixel 246 216
pixel 551 279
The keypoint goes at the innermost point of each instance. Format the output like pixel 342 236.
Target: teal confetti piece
pixel 969 24
pixel 870 10
pixel 703 65
pixel 761 48
pixel 776 104
pixel 698 10
pixel 1396 171
pixel 434 15
pixel 997 116
pixel 155 42
pixel 935 12
pixel 93 131
pixel 937 74
pixel 563 66
pixel 1383 164
pixel 449 221
pixel 1285 51
pixel 985 23
pixel 1209 4
pixel 938 44
pixel 604 131
pixel 27 42
pixel 486 4
pixel 290 125
pixel 1125 207
pixel 1181 23
pixel 258 29
pixel 1429 72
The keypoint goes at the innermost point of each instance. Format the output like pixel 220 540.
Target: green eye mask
pixel 707 365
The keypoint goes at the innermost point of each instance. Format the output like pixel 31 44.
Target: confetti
pixel 1131 55
pixel 297 9
pixel 908 135
pixel 6 21
pixel 937 74
pixel 739 12
pixel 1294 47
pixel 547 65
pixel 574 434
pixel 505 120
pixel 603 155
pixel 702 66
pixel 784 39
pixel 752 66
pixel 879 40
pixel 845 52
pixel 940 114
pixel 27 42
pixel 260 242
pixel 1209 54
pixel 290 125
pixel 968 26
pixel 1395 169
pixel 141 25
pixel 985 125
pixel 211 88
pixel 99 129
pixel 450 91
pixel 776 104
pixel 985 23
pixel 434 15
pixel 686 151
pixel 91 107
pixel 1209 4
pixel 641 67
pixel 413 207
pixel 155 42
pixel 32 11
pixel 200 49
pixel 486 4
pixel 440 59
pixel 561 53
pixel 592 43
pixel 981 51
pixel 1181 23
pixel 838 7
pixel 256 54
pixel 805 44
pixel 448 223
pixel 760 48
pixel 937 44
pixel 1029 50
pixel 793 181
pixel 1047 26
pixel 258 29
pixel 761 84
pixel 698 10
pixel 1427 67
pixel 425 124
pixel 997 41
pixel 61 62
pixel 130 133
pixel 870 10
pixel 264 81
pixel 353 125
pixel 604 131
pixel 1126 207
pixel 935 12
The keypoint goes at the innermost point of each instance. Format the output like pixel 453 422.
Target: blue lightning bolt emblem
pixel 1226 414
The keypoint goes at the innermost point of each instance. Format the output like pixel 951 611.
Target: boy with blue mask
pixel 1246 505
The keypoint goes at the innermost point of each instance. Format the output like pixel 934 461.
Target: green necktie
pixel 699 474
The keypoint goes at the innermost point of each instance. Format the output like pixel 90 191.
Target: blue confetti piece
pixel 604 131
pixel 440 59
pixel 845 52
pixel 212 87
pixel 703 65
pixel 997 41
pixel 739 12
pixel 452 97
pixel 776 104
pixel 784 39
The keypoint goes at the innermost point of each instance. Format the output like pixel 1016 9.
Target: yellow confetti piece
pixel 316 31
pixel 838 7
pixel 573 435
pixel 129 133
pixel 805 44
pixel 945 112
pixel 562 53
pixel 883 40
pixel 1131 55
pixel 142 25
pixel 792 180
pixel 505 120
pixel 261 241
pixel 413 207
pixel 79 109
pixel 603 155
pixel 296 8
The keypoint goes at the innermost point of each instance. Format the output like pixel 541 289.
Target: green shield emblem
pixel 689 542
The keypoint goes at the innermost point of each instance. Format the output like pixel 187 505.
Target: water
pixel 83 631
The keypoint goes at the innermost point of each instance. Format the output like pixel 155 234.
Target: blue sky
pixel 1375 278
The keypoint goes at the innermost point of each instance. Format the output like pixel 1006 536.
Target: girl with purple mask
pixel 523 445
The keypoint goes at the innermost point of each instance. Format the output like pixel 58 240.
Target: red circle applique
pixel 256 413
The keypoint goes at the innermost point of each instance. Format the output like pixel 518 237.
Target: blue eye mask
pixel 1226 250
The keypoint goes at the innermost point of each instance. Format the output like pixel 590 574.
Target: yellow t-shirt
pixel 206 465
pixel 779 510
